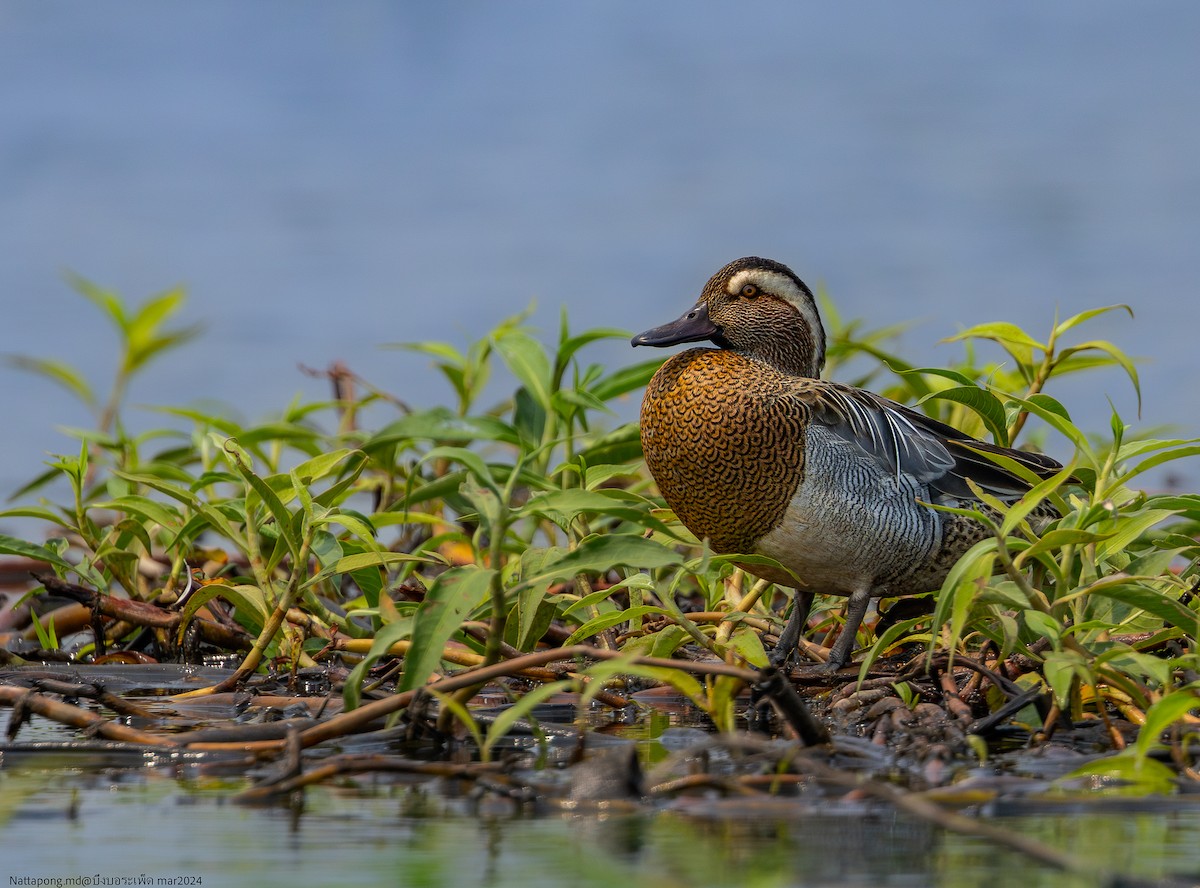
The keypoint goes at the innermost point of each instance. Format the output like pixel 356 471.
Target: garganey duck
pixel 758 455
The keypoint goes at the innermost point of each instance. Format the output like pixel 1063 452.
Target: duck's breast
pixel 726 453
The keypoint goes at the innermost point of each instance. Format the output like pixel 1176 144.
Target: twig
pixel 359 719
pixel 139 613
pixel 24 700
pixel 791 708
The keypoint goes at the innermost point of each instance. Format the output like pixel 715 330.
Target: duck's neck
pixel 794 351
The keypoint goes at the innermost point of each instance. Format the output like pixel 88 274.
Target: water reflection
pixel 410 835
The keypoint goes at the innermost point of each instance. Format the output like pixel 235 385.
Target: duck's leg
pixel 789 639
pixel 856 609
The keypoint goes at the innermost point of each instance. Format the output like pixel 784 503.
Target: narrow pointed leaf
pixel 453 595
pixel 55 371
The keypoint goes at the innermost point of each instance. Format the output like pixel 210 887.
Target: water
pixel 395 834
pixel 116 813
pixel 325 178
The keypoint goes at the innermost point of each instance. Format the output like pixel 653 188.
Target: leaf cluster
pixel 463 535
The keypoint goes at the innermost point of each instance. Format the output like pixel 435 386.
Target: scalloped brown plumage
pixel 758 455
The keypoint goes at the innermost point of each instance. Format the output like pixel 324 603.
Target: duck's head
pixel 757 307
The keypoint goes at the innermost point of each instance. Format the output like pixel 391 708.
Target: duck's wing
pixel 901 439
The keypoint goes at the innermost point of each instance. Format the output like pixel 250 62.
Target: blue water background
pixel 328 177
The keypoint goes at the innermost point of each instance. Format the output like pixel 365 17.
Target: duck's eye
pixel 749 291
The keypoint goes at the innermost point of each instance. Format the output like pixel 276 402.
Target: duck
pixel 757 455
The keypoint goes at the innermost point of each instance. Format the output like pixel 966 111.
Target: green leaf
pixel 440 424
pixel 325 547
pixel 685 683
pixel 305 497
pixel 1159 717
pixel 625 380
pixel 249 602
pixel 1051 411
pixel 898 630
pixel 364 560
pixel 533 616
pixel 1132 449
pixel 962 585
pixel 748 645
pixel 596 476
pixel 1159 459
pixel 621 445
pixel 1056 539
pixel 453 595
pixel 37 512
pixel 1129 528
pixel 272 432
pixel 325 464
pixel 150 316
pixel 953 375
pixel 526 358
pixel 1035 496
pixel 982 402
pixel 1124 589
pixel 663 643
pixel 387 636
pixel 442 350
pixel 568 347
pixel 354 523
pixel 463 714
pixel 601 553
pixel 999 331
pixel 1045 401
pixel 564 506
pixel 136 359
pixel 470 460
pixel 489 509
pixel 529 417
pixel 144 337
pixel 262 490
pixel 39 481
pixel 46 636
pixel 147 509
pixel 1130 662
pixel 1076 320
pixel 601 598
pixel 596 625
pixel 1043 625
pixel 106 300
pixel 1061 669
pixel 1117 355
pixel 567 401
pixel 55 371
pixel 13 546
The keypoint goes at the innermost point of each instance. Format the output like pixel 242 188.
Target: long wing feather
pixel 902 440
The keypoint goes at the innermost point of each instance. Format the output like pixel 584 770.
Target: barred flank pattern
pixel 726 449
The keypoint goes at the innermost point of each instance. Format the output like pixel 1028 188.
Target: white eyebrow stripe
pixel 769 282
pixel 781 285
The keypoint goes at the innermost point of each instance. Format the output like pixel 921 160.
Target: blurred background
pixel 325 178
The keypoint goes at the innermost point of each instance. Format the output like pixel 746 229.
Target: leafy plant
pixel 469 536
pixel 1112 579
